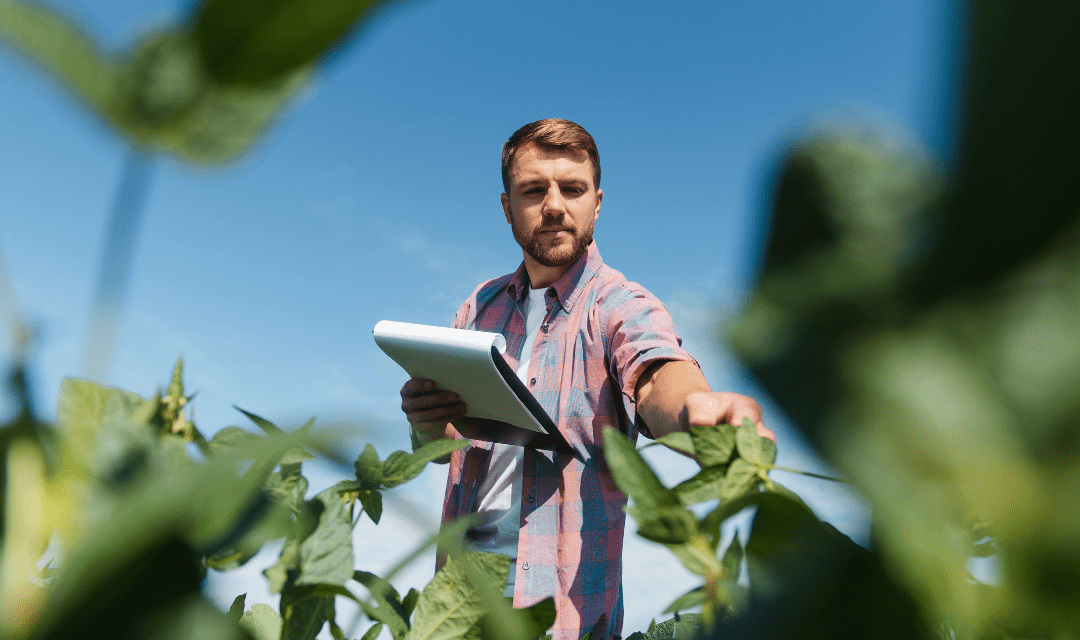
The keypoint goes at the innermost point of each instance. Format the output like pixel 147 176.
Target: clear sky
pixel 376 196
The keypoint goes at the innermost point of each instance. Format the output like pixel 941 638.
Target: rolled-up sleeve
pixel 641 333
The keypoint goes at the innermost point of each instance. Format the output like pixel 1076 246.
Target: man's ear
pixel 599 198
pixel 506 208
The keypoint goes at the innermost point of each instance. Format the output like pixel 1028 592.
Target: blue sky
pixel 376 196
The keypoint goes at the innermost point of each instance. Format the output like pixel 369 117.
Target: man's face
pixel 553 204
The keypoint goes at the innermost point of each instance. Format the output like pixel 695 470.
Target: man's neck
pixel 541 277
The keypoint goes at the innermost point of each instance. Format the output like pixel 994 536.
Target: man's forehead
pixel 571 159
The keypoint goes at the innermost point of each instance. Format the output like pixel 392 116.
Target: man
pixel 596 350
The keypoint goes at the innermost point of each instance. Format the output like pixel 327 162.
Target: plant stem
pixel 807 473
pixel 116 262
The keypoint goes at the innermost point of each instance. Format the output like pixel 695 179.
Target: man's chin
pixel 557 257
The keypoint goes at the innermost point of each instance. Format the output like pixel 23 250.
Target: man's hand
pixel 674 396
pixel 705 408
pixel 429 410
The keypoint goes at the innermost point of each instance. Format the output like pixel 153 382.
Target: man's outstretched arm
pixel 673 395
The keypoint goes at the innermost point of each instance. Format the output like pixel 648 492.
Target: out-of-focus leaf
pixel 261 622
pixel 666 525
pixel 451 603
pixel 409 603
pixel 388 607
pixel 61 48
pixel 1018 134
pixel 692 598
pixel 232 438
pixel 293 456
pixel 269 427
pixel 236 609
pixel 373 632
pixel 100 423
pixel 679 441
pixel 288 487
pixel 809 580
pixel 277 574
pixel 250 42
pixel 633 474
pixel 400 467
pixel 733 558
pixel 686 626
pixel 539 617
pixel 713 444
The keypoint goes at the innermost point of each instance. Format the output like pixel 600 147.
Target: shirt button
pixel 530 499
pixel 525 566
pixel 533 381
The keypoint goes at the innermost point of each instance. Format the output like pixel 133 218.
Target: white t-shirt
pixel 500 494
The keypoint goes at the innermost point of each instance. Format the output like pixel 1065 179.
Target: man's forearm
pixel 662 392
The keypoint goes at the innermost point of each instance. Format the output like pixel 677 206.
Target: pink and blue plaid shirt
pixel 600 334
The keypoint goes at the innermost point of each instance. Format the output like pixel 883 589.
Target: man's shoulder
pixel 614 288
pixel 486 291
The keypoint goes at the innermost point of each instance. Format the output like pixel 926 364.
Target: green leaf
pixel 373 632
pixel 304 617
pixel 325 555
pixel 369 469
pixel 269 427
pixel 539 617
pixel 236 610
pixel 752 447
pixel 389 609
pixel 685 626
pixel 60 48
pixel 452 602
pixel 372 502
pixel 740 479
pixel 232 439
pixel 733 557
pixel 261 622
pixel 678 441
pixel 176 384
pixel 400 467
pixel 409 603
pixel 252 42
pixel 704 485
pixel 692 598
pixel 288 487
pixel 713 444
pixel 633 474
pixel 666 525
pixel 277 574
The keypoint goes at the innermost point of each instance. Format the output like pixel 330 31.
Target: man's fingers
pixel 442 414
pixel 417 386
pixel 428 400
pixel 711 408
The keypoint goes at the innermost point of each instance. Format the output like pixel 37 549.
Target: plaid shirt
pixel 600 333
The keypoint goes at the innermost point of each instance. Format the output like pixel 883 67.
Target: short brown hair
pixel 552 134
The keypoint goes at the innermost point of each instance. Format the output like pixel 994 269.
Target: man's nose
pixel 554 203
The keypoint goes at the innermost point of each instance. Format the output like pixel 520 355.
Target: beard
pixel 558 255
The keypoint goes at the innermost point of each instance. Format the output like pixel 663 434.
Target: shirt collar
pixel 569 286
